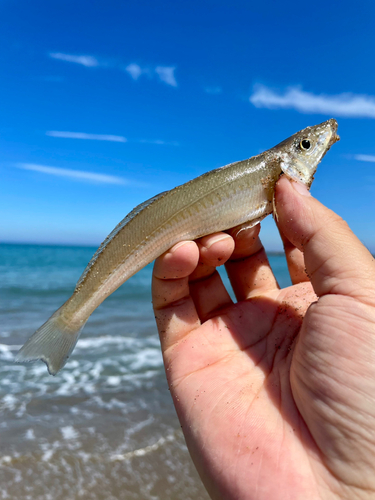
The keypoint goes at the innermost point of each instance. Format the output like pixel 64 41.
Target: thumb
pixel 335 260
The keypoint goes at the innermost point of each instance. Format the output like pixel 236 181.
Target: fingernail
pixel 216 239
pixel 300 188
pixel 179 245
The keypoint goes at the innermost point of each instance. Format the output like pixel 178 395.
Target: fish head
pixel 300 154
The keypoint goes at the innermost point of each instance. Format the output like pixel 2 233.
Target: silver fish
pixel 218 200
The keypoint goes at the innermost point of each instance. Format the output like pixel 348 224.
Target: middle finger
pixel 248 269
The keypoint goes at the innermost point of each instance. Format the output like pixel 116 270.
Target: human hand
pixel 276 393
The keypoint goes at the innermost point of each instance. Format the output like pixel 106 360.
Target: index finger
pixel 185 294
pixel 174 309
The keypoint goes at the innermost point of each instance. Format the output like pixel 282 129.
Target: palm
pixel 237 387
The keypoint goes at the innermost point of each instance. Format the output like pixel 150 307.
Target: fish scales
pixel 241 192
pixel 170 219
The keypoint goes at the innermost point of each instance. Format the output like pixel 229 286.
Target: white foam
pixel 140 452
pixel 69 432
pixel 130 362
pixel 114 381
pixel 47 455
pixel 146 358
pixel 96 370
pixel 9 401
pixel 29 434
pixel 111 404
pixel 95 342
pixel 140 425
pixel 6 351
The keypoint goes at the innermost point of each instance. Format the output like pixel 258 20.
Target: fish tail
pixel 52 343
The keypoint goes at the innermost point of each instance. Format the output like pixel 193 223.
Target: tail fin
pixel 53 343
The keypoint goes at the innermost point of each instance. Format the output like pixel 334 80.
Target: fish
pixel 238 193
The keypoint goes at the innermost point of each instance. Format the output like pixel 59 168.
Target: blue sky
pixel 104 104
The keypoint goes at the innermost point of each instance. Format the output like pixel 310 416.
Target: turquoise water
pixel 105 427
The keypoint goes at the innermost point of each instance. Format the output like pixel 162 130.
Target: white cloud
pixel 103 137
pixel 346 104
pixel 73 174
pixel 83 135
pixel 134 70
pixel 166 74
pixel 88 61
pixel 370 158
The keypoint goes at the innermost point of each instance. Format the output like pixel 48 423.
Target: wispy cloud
pixel 134 70
pixel 104 137
pixel 83 135
pixel 166 75
pixel 88 61
pixel 346 104
pixel 73 174
pixel 369 158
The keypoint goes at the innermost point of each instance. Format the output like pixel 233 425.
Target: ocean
pixel 105 427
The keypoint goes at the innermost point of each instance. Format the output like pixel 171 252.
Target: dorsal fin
pixel 115 231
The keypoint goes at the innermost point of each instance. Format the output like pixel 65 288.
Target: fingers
pixel 179 262
pixel 214 250
pixel 186 288
pixel 248 268
pixel 295 260
pixel 206 287
pixel 174 309
pixel 335 260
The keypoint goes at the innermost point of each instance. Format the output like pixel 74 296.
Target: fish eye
pixel 305 144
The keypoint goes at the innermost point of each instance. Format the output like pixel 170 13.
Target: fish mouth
pixel 334 136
